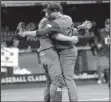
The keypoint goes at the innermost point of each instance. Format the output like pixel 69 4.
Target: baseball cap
pixel 107 21
pixel 53 7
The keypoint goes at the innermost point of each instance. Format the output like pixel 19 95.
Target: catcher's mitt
pixel 86 25
pixel 20 28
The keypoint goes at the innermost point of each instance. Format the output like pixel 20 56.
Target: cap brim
pixel 44 10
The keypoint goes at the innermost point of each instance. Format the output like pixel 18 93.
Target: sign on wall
pixel 23 78
pixel 9 57
pixel 38 78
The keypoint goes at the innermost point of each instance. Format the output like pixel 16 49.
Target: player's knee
pixel 69 77
pixel 59 82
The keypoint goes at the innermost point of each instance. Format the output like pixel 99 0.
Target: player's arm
pixel 35 33
pixel 56 35
pixel 61 37
pixel 83 29
pixel 98 40
pixel 78 34
pixel 39 32
pixel 53 31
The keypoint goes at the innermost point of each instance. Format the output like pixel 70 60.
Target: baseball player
pixel 48 30
pixel 104 50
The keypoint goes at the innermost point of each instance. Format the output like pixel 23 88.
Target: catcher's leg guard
pixel 56 89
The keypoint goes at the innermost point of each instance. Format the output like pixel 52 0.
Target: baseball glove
pixel 20 28
pixel 86 25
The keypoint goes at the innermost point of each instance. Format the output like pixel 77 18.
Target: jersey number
pixel 69 30
pixel 107 40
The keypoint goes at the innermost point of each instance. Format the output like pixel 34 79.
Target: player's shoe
pixel 99 82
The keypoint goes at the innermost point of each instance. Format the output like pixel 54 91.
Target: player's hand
pixel 20 29
pixel 86 25
pixel 74 39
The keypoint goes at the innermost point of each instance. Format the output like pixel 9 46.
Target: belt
pixel 59 50
pixel 47 49
pixel 38 53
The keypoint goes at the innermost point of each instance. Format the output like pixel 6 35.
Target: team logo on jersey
pixel 48 26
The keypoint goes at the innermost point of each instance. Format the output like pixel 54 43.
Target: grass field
pixel 32 92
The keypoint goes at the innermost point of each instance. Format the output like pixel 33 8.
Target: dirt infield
pixel 90 92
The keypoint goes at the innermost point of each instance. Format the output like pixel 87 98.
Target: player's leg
pixel 44 62
pixel 51 59
pixel 99 70
pixel 47 86
pixel 100 75
pixel 103 64
pixel 56 77
pixel 109 79
pixel 56 89
pixel 107 76
pixel 106 69
pixel 68 59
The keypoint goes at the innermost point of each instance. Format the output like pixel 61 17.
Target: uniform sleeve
pixel 54 30
pixel 53 27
